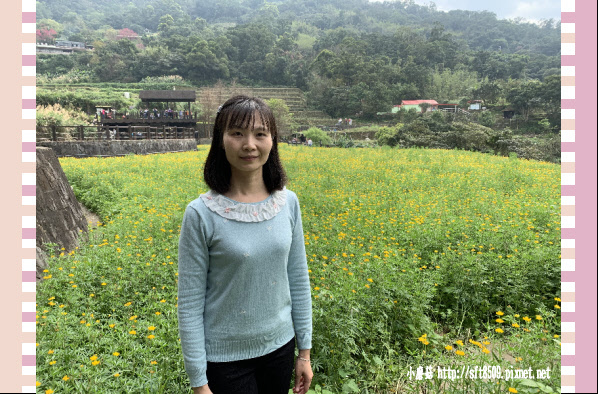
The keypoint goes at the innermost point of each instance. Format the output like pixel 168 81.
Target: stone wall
pixel 59 216
pixel 118 148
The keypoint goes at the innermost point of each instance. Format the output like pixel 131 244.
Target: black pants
pixel 268 374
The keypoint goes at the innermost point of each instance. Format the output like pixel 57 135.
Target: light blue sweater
pixel 243 285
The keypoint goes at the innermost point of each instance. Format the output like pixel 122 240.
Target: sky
pixel 531 10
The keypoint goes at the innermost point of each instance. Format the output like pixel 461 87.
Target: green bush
pixel 487 119
pixel 388 135
pixel 318 136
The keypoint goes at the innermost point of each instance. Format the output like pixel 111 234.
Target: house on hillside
pixel 408 104
pixel 475 105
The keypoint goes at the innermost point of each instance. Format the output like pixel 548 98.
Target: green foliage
pixel 83 100
pixel 388 135
pixel 318 136
pixel 487 118
pixel 58 115
pixel 284 118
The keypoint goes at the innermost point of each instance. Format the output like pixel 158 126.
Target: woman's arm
pixel 300 299
pixel 193 266
pixel 299 279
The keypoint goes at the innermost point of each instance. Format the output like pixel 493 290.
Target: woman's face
pixel 247 150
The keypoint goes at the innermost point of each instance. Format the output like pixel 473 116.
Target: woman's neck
pixel 247 187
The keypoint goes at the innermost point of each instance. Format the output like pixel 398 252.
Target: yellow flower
pixel 538 317
pixel 37 384
pixel 500 321
pixel 499 330
pixel 515 325
pixel 111 325
pixel 459 342
pixel 116 354
pixel 370 280
pixel 154 362
pixel 151 336
pixel 132 332
pixel 50 351
pixel 316 288
pixel 116 375
pixel 557 307
pixel 93 358
pixel 557 299
pixel 95 362
pixel 499 313
pixel 527 319
pixel 486 350
pixel 460 353
pixel 158 313
pixel 448 347
pixel 512 390
pixel 49 391
pixel 65 378
pixel 151 328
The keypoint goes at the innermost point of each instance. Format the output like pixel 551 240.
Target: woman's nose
pixel 249 143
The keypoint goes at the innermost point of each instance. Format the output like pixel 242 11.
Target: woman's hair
pixel 240 112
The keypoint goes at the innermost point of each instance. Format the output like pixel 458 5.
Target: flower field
pixel 416 257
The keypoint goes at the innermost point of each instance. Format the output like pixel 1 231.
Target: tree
pixel 526 98
pixel 424 107
pixel 282 115
pixel 45 36
pixel 488 91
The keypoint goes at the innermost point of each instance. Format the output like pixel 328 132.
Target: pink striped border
pixel 578 190
pixel 567 195
pixel 28 225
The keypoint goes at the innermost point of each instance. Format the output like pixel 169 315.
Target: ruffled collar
pixel 245 212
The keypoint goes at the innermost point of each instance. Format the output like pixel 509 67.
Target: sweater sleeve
pixel 299 280
pixel 193 267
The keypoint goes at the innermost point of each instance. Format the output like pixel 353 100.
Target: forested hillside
pixel 349 56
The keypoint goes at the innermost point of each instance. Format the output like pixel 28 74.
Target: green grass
pixel 400 243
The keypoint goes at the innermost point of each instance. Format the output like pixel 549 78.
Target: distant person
pixel 310 142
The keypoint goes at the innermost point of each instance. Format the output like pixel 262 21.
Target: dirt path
pixel 92 218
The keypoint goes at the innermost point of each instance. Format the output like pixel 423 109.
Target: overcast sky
pixel 532 10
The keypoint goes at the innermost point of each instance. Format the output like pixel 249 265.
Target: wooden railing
pixel 110 133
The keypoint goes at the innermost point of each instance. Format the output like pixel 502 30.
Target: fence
pixel 103 133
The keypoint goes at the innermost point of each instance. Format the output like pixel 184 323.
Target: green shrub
pixel 318 136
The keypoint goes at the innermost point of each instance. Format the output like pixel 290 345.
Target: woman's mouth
pixel 249 158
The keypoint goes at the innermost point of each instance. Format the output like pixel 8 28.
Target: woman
pixel 244 293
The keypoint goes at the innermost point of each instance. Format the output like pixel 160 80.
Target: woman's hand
pixel 202 390
pixel 303 374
